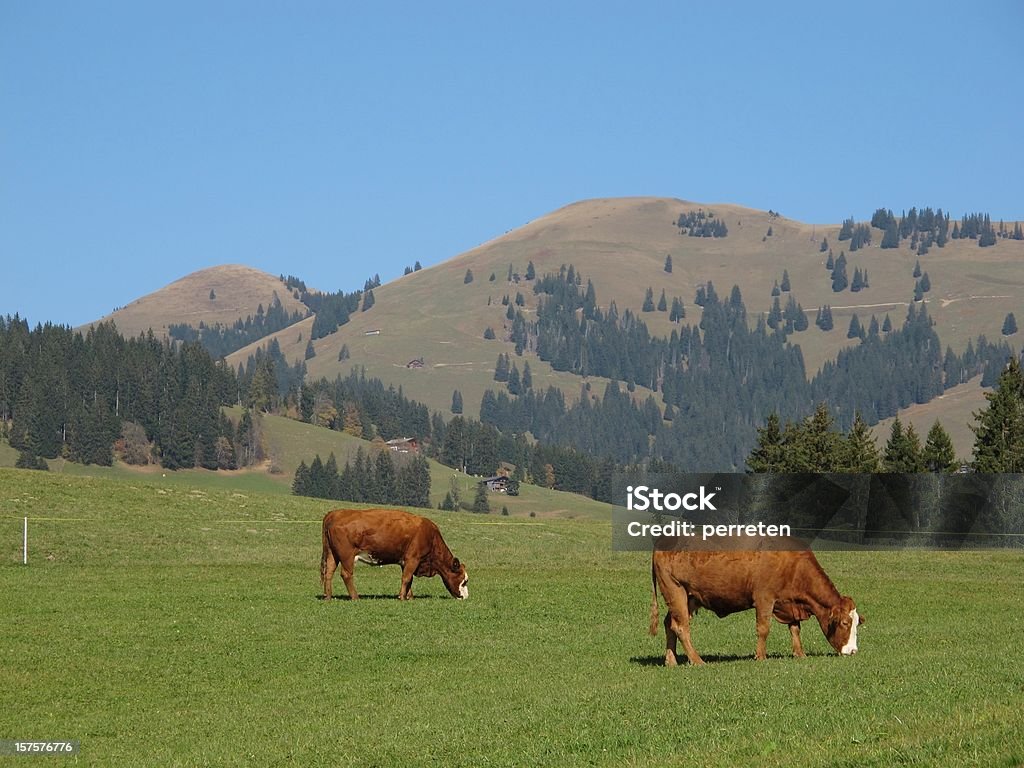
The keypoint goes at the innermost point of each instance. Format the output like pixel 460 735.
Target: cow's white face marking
pixel 464 589
pixel 851 644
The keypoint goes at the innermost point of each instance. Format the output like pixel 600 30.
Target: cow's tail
pixel 653 629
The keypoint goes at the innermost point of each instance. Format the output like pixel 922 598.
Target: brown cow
pixel 388 537
pixel 777 578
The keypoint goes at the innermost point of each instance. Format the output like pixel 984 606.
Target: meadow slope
pixel 178 625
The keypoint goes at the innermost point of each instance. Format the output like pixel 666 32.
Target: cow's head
pixel 840 626
pixel 456 580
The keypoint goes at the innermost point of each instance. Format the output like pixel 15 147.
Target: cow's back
pixel 384 533
pixel 727 581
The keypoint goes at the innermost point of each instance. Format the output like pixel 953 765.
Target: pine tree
pixel 527 381
pixel 903 450
pixel 776 291
pixel 917 269
pixel 310 350
pixel 891 238
pixel 768 455
pixel 999 433
pixel 926 284
pixel 855 331
pixel 939 455
pixel 800 322
pixel 368 300
pixel 668 264
pixel 815 445
pixel 514 383
pixel 456 402
pixel 1009 325
pixel 858 281
pixel 858 452
pixel 480 503
pixel 775 315
pixel 468 277
pixel 649 300
pixel 785 285
pixel 501 367
pixel 839 278
pixel 531 273
pixel 662 303
pixel 887 324
pixel 826 323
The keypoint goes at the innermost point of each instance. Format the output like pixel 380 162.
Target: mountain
pixel 221 294
pixel 435 316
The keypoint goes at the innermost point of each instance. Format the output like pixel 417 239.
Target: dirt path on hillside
pixel 947 302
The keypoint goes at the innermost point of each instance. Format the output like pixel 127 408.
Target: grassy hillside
pixel 621 245
pixel 290 441
pixel 180 626
pixel 238 292
pixel 955 409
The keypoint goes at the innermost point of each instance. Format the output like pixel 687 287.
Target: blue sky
pixel 142 141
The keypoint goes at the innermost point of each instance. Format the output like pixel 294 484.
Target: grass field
pixel 174 625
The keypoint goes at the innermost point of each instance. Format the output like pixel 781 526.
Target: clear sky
pixel 140 142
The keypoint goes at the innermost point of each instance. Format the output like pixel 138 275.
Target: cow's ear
pixel 456 565
pixel 860 619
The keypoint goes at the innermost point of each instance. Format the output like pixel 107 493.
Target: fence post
pixel 24 544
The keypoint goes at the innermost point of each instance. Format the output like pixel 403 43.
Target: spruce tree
pixel 468 277
pixel 456 402
pixel 939 455
pixel 649 300
pixel 855 331
pixel 662 303
pixel 1009 325
pixel 999 433
pixel 480 503
pixel 917 269
pixel 858 452
pixel 903 450
pixel 668 264
pixel 767 456
pixel 531 273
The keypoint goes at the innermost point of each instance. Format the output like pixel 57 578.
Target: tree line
pixel 368 479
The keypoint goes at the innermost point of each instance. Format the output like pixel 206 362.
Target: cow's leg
pixel 408 571
pixel 670 642
pixel 327 566
pixel 677 622
pixel 794 633
pixel 764 608
pixel 348 568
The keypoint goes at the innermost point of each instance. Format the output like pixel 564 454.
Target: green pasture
pixel 175 624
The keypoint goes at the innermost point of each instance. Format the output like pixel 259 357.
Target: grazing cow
pixel 773 580
pixel 388 537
